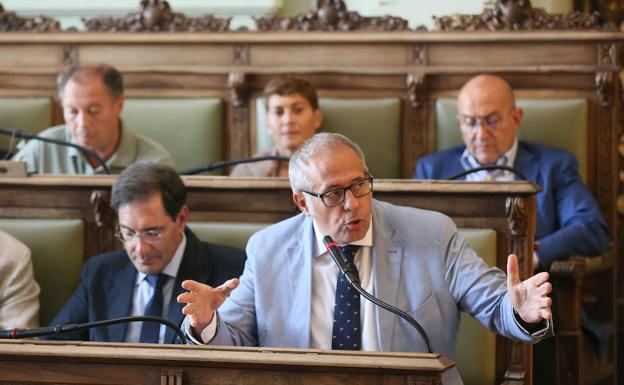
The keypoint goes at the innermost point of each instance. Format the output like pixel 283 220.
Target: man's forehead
pixel 276 100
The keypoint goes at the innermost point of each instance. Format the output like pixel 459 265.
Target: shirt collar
pixel 123 155
pixel 171 270
pixel 507 159
pixel 367 240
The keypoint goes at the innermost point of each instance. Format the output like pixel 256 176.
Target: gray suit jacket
pixel 420 264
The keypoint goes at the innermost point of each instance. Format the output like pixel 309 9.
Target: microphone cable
pixel 225 163
pixel 489 167
pixel 68 328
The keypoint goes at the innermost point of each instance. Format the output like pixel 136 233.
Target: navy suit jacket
pixel 568 219
pixel 107 280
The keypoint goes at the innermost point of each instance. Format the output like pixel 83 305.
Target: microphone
pixel 68 328
pixel 25 135
pixel 225 163
pixel 489 167
pixel 354 280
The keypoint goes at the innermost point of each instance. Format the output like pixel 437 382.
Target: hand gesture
pixel 529 297
pixel 202 301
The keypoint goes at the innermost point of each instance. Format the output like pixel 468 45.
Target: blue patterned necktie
pixel 150 331
pixel 347 333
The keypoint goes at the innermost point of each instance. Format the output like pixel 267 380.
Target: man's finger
pixel 228 286
pixel 513 273
pixel 538 279
pixel 191 285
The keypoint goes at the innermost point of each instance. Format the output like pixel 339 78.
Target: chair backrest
pixel 560 123
pixel 32 114
pixel 57 247
pixel 476 346
pixel 374 124
pixel 191 129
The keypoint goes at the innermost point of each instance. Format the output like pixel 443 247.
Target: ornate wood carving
pixel 70 55
pixel 515 15
pixel 157 16
pixel 419 55
pixel 241 55
pixel 604 87
pixel 102 211
pixel 330 15
pixel 607 54
pixel 415 84
pixel 10 22
pixel 238 88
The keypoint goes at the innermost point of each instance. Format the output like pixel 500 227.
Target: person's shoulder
pixel 56 132
pixel 548 154
pixel 279 231
pixel 442 156
pixel 107 263
pixel 149 149
pixel 13 251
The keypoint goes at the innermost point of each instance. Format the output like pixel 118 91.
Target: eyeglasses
pixel 151 236
pixel 491 122
pixel 335 197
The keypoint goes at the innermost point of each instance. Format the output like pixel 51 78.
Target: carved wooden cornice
pixel 515 15
pixel 10 22
pixel 157 16
pixel 330 15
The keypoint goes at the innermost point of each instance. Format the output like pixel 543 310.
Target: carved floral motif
pixel 156 16
pixel 515 15
pixel 330 15
pixel 10 22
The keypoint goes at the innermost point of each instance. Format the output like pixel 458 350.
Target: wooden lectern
pixel 29 362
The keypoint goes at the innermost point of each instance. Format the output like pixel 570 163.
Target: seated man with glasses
pixel 159 253
pixel 568 218
pixel 292 295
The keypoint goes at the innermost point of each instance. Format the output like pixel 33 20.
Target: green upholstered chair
pixel 475 346
pixel 233 234
pixel 32 114
pixel 374 124
pixel 57 247
pixel 191 129
pixel 560 123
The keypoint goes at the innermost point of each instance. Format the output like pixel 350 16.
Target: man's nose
pixel 140 246
pixel 350 201
pixel 83 119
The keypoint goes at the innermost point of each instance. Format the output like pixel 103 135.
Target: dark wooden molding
pixel 515 15
pixel 10 22
pixel 102 211
pixel 330 15
pixel 415 84
pixel 157 16
pixel 604 87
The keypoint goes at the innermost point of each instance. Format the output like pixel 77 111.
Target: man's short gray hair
pixel 324 142
pixel 81 74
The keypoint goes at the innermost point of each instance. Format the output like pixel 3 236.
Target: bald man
pixel 568 219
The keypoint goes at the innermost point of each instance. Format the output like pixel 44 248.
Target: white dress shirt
pixel 324 278
pixel 508 159
pixel 143 292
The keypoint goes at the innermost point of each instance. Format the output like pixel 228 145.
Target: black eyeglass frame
pixel 322 196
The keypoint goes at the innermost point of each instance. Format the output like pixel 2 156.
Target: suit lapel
pixel 299 266
pixel 527 163
pixel 387 256
pixel 190 268
pixel 120 299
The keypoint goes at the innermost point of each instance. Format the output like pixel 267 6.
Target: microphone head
pixel 329 242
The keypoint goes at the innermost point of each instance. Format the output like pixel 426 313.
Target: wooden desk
pixel 23 362
pixel 508 208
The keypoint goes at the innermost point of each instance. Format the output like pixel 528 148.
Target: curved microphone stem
pixel 63 329
pixel 85 151
pixel 350 276
pixel 489 167
pixel 225 163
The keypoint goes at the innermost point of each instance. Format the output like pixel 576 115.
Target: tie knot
pixel 349 251
pixel 157 281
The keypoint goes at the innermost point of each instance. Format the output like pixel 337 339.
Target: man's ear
pixel 517 115
pixel 301 202
pixel 318 119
